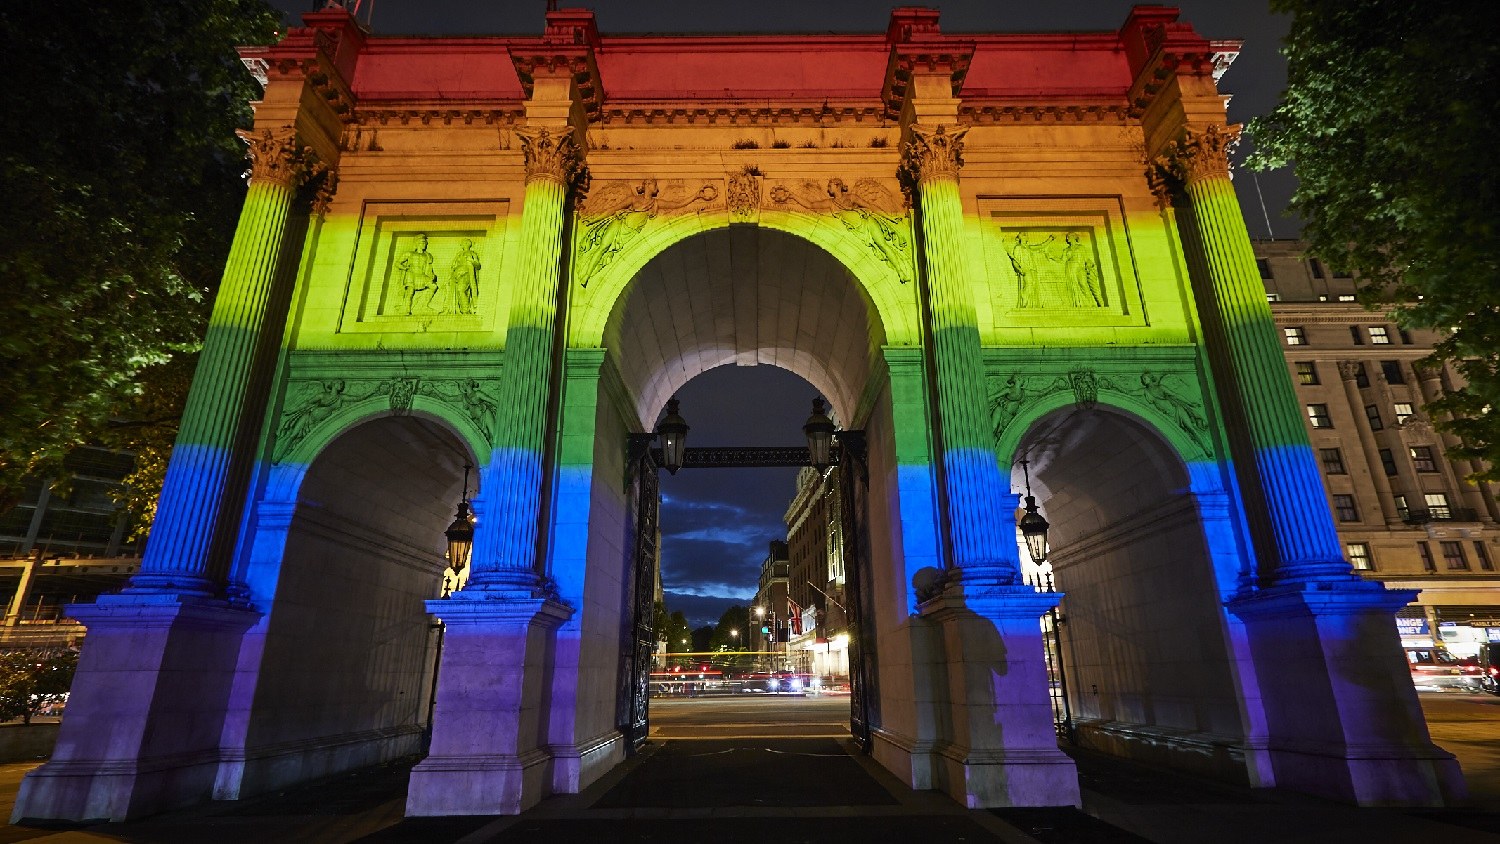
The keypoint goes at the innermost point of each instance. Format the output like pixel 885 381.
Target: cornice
pixel 1116 113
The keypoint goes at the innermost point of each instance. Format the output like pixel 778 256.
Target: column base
pixel 1003 748
pixel 1342 717
pixel 487 755
pixel 146 711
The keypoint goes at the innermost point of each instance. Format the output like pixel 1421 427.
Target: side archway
pixel 1145 560
pixel 338 672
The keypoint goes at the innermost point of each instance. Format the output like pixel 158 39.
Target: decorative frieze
pixel 870 211
pixel 1169 394
pixel 743 196
pixel 616 212
pixel 312 403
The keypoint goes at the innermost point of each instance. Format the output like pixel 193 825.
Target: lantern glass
pixel 460 538
pixel 1034 531
pixel 673 433
pixel 819 430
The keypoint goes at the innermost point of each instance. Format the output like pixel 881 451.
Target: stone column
pixel 489 725
pixel 1306 543
pixel 505 545
pixel 983 545
pixel 1341 716
pixel 1002 749
pixel 177 559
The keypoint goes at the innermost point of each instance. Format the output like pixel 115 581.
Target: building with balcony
pixel 817 634
pixel 1405 512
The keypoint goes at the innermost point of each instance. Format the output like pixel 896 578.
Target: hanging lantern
pixel 673 433
pixel 1033 526
pixel 819 430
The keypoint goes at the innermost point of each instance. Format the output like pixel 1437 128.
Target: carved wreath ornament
pixel 1177 404
pixel 313 403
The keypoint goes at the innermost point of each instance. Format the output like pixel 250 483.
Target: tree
pixel 1389 116
pixel 120 173
pixel 678 635
pixel 30 681
pixel 732 633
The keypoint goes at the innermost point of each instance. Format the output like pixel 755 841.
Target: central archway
pixel 745 295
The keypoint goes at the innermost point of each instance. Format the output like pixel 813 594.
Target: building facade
pixel 817 616
pixel 510 252
pixel 767 612
pixel 1405 512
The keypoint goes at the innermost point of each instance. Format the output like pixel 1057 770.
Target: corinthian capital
pixel 934 152
pixel 1204 153
pixel 550 154
pixel 275 156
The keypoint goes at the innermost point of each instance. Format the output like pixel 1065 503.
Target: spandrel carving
pixel 869 211
pixel 615 213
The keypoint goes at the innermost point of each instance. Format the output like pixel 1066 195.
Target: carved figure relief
pixel 1055 270
pixel 424 283
pixel 310 404
pixel 615 213
pixel 743 196
pixel 463 275
pixel 1181 406
pixel 418 279
pixel 869 211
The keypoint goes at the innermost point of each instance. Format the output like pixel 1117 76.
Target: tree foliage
pixel 120 173
pixel 30 681
pixel 1390 117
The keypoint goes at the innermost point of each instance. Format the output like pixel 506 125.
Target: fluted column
pixel 505 544
pixel 983 535
pixel 1306 542
pixel 192 498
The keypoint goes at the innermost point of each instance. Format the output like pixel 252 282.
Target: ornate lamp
pixel 819 430
pixel 673 433
pixel 461 533
pixel 1033 526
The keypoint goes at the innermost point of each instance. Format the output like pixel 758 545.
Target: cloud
pixel 701 609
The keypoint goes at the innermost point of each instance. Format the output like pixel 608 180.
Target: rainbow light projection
pixel 455 280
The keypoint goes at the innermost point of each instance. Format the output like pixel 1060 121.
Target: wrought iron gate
pixel 639 637
pixel 1057 677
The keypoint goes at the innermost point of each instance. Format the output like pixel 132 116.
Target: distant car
pixel 1489 666
pixel 1433 667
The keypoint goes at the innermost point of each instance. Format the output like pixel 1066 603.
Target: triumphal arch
pixel 509 252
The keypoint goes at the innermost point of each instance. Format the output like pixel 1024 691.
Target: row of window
pixel 1454 556
pixel 1307 373
pixel 1423 459
pixel 1439 508
pixel 1317 415
pixel 1314 266
pixel 1380 335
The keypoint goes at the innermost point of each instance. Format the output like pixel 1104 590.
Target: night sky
pixel 716 524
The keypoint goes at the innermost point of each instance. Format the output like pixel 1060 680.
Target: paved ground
pixel 765 769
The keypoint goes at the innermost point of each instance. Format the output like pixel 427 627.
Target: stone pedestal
pixel 487 755
pixel 1003 747
pixel 146 712
pixel 1341 713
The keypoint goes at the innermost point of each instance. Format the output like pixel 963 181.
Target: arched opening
pixel 1142 640
pixel 741 295
pixel 347 651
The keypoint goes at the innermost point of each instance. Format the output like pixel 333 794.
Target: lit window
pixel 1333 461
pixel 1379 335
pixel 1295 336
pixel 1391 371
pixel 1343 505
pixel 1388 462
pixel 1317 414
pixel 1404 411
pixel 1437 506
pixel 1372 413
pixel 1453 556
pixel 1482 554
pixel 1307 372
pixel 1273 297
pixel 1425 553
pixel 1423 459
pixel 1402 509
pixel 1359 556
pixel 1322 297
pixel 1346 297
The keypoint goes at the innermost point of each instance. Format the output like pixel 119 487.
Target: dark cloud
pixel 700 609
